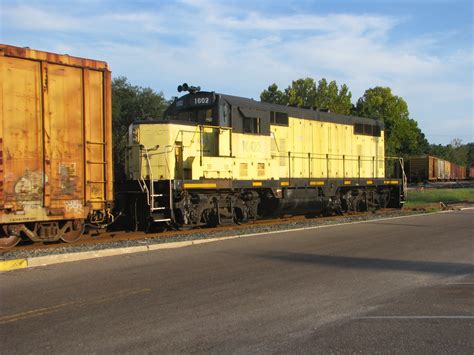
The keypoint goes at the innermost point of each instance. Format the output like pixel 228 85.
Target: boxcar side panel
pixel 64 139
pixel 431 168
pixel 447 170
pixel 20 135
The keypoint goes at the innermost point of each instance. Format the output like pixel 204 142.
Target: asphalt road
pixel 402 285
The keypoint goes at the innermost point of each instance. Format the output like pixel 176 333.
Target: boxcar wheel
pixel 74 232
pixel 10 237
pixel 9 241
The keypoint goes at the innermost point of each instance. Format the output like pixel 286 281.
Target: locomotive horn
pixel 191 89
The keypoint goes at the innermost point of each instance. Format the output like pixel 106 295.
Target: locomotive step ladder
pixel 160 204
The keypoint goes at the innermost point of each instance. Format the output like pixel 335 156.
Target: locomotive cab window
pixel 202 116
pixel 205 116
pixel 251 125
pixel 253 121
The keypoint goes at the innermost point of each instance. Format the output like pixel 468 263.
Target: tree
pixel 274 95
pixel 455 152
pixel 131 103
pixel 403 137
pixel 305 93
pixel 302 93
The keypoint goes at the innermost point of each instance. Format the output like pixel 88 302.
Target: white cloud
pixel 239 51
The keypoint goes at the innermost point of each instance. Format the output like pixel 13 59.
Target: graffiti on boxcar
pixel 67 178
pixel 74 206
pixel 29 187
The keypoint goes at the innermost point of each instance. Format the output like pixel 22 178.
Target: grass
pixel 430 196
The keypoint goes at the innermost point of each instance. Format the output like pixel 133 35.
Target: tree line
pixel 403 137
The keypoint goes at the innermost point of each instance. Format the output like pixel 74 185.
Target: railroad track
pixel 92 239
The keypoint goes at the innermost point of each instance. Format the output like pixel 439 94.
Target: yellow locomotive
pixel 216 158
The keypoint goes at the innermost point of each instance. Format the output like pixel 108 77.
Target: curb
pixel 8 265
pixel 14 264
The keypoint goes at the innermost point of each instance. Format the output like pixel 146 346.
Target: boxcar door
pixel 21 144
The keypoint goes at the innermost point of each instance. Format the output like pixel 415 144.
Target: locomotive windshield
pixel 203 116
pixel 195 107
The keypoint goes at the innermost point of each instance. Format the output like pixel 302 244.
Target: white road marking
pixel 415 317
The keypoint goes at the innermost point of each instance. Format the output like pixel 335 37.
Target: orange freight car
pixel 55 145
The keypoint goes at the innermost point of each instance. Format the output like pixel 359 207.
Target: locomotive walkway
pixel 399 285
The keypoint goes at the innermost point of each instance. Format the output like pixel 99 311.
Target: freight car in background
pixel 216 158
pixel 55 145
pixel 427 168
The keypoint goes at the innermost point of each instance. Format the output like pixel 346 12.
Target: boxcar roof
pixel 55 58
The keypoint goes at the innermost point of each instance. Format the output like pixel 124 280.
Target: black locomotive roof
pixel 245 103
pixel 298 112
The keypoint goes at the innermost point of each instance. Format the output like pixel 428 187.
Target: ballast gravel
pixel 154 238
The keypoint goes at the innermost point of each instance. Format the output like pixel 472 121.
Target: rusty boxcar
pixel 458 172
pixel 55 145
pixel 425 168
pixel 421 168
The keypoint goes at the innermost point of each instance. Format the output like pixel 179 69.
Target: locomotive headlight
pixel 135 135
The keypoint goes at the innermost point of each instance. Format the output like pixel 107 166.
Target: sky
pixel 421 49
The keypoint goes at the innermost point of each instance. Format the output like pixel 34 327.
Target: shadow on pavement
pixel 434 267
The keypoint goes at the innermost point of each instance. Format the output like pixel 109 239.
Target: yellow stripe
pixel 347 182
pixel 369 182
pixel 393 182
pixel 199 186
pixel 316 183
pixel 284 183
pixel 13 264
pixel 257 183
pixel 68 305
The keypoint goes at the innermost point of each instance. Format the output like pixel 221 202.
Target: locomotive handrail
pixel 191 142
pixel 272 134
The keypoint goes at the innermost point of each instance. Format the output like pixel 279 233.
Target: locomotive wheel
pixel 12 237
pixel 75 232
